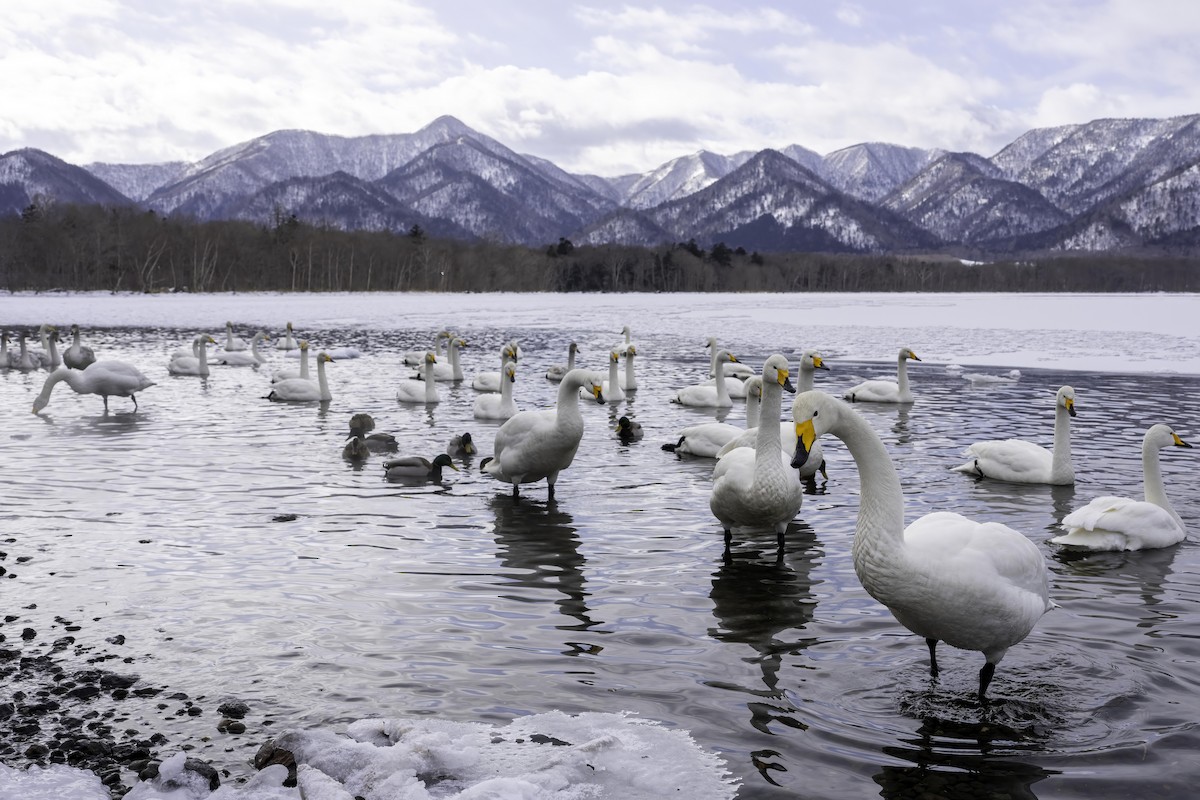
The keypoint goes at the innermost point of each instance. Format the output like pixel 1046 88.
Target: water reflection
pixel 538 548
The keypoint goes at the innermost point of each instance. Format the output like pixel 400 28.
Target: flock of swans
pixel 975 585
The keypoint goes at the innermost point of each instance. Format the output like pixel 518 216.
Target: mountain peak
pixel 448 126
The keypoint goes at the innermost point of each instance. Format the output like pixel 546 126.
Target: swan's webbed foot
pixel 985 678
pixel 933 667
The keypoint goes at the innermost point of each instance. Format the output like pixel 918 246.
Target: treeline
pixel 86 248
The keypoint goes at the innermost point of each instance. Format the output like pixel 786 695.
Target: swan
pixel 886 391
pixel 1019 461
pixel 628 430
pixel 1012 376
pixel 233 343
pixel 739 370
pixel 610 386
pixel 288 374
pixel 707 439
pixel 47 355
pixel 425 390
pixel 557 371
pixel 461 446
pixel 1118 523
pixel 974 585
pixel 24 360
pixel 628 341
pixel 189 352
pixel 449 370
pixel 105 378
pixel 361 427
pixel 499 406
pixel 78 355
pixel 491 381
pixel 193 365
pixel 533 445
pixel 715 395
pixel 418 467
pixel 7 359
pixel 810 362
pixel 244 359
pixel 415 358
pixel 629 379
pixel 753 488
pixel 299 390
pixel 287 342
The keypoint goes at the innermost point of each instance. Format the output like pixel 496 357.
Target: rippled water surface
pixel 225 537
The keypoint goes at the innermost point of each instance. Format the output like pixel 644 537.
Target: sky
pixel 597 87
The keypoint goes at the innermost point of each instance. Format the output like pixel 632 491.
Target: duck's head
pixel 444 460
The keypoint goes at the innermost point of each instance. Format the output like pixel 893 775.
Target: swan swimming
pixel 78 355
pixel 1019 461
pixel 491 381
pixel 233 343
pixel 974 585
pixel 557 371
pixel 246 359
pixel 1119 523
pixel 886 391
pixel 499 406
pixel 298 390
pixel 415 358
pixel 610 386
pixel 707 439
pixel 105 378
pixel 287 341
pixel 287 374
pixel 193 365
pixel 412 390
pixel 714 395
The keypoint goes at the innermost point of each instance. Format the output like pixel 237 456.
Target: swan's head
pixel 712 342
pixel 574 348
pixel 289 327
pixel 74 330
pixel 726 356
pixel 430 358
pixel 206 339
pixel 304 344
pixel 812 360
pixel 813 413
pixel 614 356
pixel 625 331
pixel 775 370
pixel 906 353
pixel 324 357
pixel 630 351
pixel 460 343
pixel 594 386
pixel 510 372
pixel 1066 399
pixel 1161 436
pixel 509 352
pixel 753 386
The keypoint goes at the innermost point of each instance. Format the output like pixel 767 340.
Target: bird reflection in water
pixel 538 548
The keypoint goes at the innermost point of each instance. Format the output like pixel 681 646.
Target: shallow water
pixel 227 540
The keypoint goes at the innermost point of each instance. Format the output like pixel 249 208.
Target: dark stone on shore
pixel 28 634
pixel 234 709
pixel 273 752
pixel 204 770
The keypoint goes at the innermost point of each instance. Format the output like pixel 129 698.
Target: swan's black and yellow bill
pixel 1179 442
pixel 1070 403
pixel 806 434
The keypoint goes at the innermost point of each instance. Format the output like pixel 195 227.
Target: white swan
pixel 7 359
pixel 610 386
pixel 416 358
pixel 629 378
pixel 246 359
pixel 976 586
pixel 193 365
pixel 499 406
pixel 425 390
pixel 287 374
pixel 754 487
pixel 233 343
pixel 628 334
pixel 1019 461
pixel 629 431
pixel 361 427
pixel 450 370
pixel 298 390
pixel 707 439
pixel 886 391
pixel 1118 523
pixel 287 341
pixel 533 445
pixel 714 395
pixel 189 352
pixel 557 371
pixel 47 356
pixel 490 381
pixel 739 370
pixel 461 446
pixel 418 467
pixel 24 360
pixel 105 378
pixel 78 355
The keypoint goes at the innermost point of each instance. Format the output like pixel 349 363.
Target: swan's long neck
pixel 75 343
pixel 804 383
pixel 228 335
pixel 571 359
pixel 878 549
pixel 614 383
pixel 322 382
pixel 767 444
pixel 431 392
pixel 902 374
pixel 55 360
pixel 254 350
pixel 304 363
pixel 453 356
pixel 753 410
pixel 1060 464
pixel 52 380
pixel 506 388
pixel 630 380
pixel 1152 479
pixel 568 405
pixel 712 364
pixel 723 390
pixel 203 357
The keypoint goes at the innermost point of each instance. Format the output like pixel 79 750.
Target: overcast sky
pixel 598 87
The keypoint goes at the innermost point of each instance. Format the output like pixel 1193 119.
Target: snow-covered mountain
pixel 1096 185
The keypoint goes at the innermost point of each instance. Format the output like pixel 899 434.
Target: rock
pixel 234 709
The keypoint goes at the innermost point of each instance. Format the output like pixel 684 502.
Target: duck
pixel 491 381
pixel 610 386
pixel 706 440
pixel 947 578
pixel 1020 461
pixel 287 374
pixel 418 467
pixel 247 359
pixel 233 343
pixel 499 406
pixel 629 431
pixel 424 390
pixel 415 358
pixel 450 370
pixel 534 445
pixel 78 355
pixel 287 341
pixel 356 449
pixel 193 365
pixel 1119 523
pixel 362 425
pixel 714 395
pixel 106 377
pixel 557 371
pixel 298 390
pixel 754 487
pixel 461 446
pixel 886 391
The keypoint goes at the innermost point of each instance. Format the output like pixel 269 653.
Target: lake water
pixel 239 555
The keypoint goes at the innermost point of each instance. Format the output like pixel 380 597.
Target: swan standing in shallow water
pixel 1019 461
pixel 499 406
pixel 754 487
pixel 707 439
pixel 233 343
pixel 105 378
pixel 1119 523
pixel 78 355
pixel 557 371
pixel 491 381
pixel 288 374
pixel 425 390
pixel 298 390
pixel 976 586
pixel 193 365
pixel 714 395
pixel 884 391
pixel 533 445
pixel 287 342
pixel 244 359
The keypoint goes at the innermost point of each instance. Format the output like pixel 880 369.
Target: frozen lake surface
pixel 232 552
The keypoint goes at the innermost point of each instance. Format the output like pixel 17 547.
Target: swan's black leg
pixel 985 677
pixel 134 397
pixel 105 403
pixel 933 667
pixel 550 494
pixel 516 492
pixel 728 537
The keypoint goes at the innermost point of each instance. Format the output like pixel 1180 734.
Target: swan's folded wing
pixel 1011 458
pixel 1119 523
pixel 966 547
